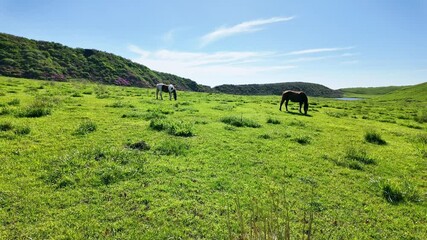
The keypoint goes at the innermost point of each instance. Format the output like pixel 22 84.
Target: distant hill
pixel 25 58
pixel 415 92
pixel 311 89
pixel 368 91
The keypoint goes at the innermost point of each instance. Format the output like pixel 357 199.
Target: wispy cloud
pixel 212 68
pixel 244 27
pixel 318 50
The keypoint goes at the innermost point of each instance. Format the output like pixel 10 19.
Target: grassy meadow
pixel 86 161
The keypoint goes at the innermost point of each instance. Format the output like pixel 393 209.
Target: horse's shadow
pixel 299 114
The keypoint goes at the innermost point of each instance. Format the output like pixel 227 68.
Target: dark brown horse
pixel 294 96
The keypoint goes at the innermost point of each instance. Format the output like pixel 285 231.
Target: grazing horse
pixel 165 88
pixel 294 96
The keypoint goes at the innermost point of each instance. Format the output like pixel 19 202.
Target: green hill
pixel 416 92
pixel 311 89
pixel 369 91
pixel 25 58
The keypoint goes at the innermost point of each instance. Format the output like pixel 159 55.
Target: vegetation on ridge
pixel 22 57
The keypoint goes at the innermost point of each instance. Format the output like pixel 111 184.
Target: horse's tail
pixel 283 100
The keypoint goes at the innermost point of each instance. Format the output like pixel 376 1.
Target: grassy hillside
pixel 311 89
pixel 414 93
pixel 22 57
pixel 89 161
pixel 368 92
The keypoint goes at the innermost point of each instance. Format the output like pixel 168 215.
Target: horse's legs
pixel 170 96
pixel 157 93
pixel 300 106
pixel 286 104
pixel 281 103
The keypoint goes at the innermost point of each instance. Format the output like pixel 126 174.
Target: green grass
pixel 114 163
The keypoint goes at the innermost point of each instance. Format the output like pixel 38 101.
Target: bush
pixel 85 127
pixel 374 137
pixel 240 122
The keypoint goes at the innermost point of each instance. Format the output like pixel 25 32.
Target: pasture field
pixel 86 161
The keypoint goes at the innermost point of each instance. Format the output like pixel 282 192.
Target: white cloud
pixel 213 68
pixel 318 50
pixel 244 27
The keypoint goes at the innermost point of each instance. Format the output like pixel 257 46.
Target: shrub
pixel 374 137
pixel 240 122
pixel 173 147
pixel 85 127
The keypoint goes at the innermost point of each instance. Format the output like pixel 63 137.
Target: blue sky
pixel 359 43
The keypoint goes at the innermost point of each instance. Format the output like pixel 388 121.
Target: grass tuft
pixel 421 117
pixel 141 145
pixel 176 128
pixel 14 102
pixel 303 140
pixel 392 193
pixel 6 126
pixel 273 121
pixel 240 122
pixel 22 130
pixel 374 137
pixel 359 155
pixel 175 147
pixel 85 127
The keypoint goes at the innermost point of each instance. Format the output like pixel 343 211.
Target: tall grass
pixel 240 122
pixel 176 128
pixel 85 127
pixel 372 136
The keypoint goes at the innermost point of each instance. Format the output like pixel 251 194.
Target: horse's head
pixel 172 90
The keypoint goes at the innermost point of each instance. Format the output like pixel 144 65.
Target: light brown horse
pixel 294 96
